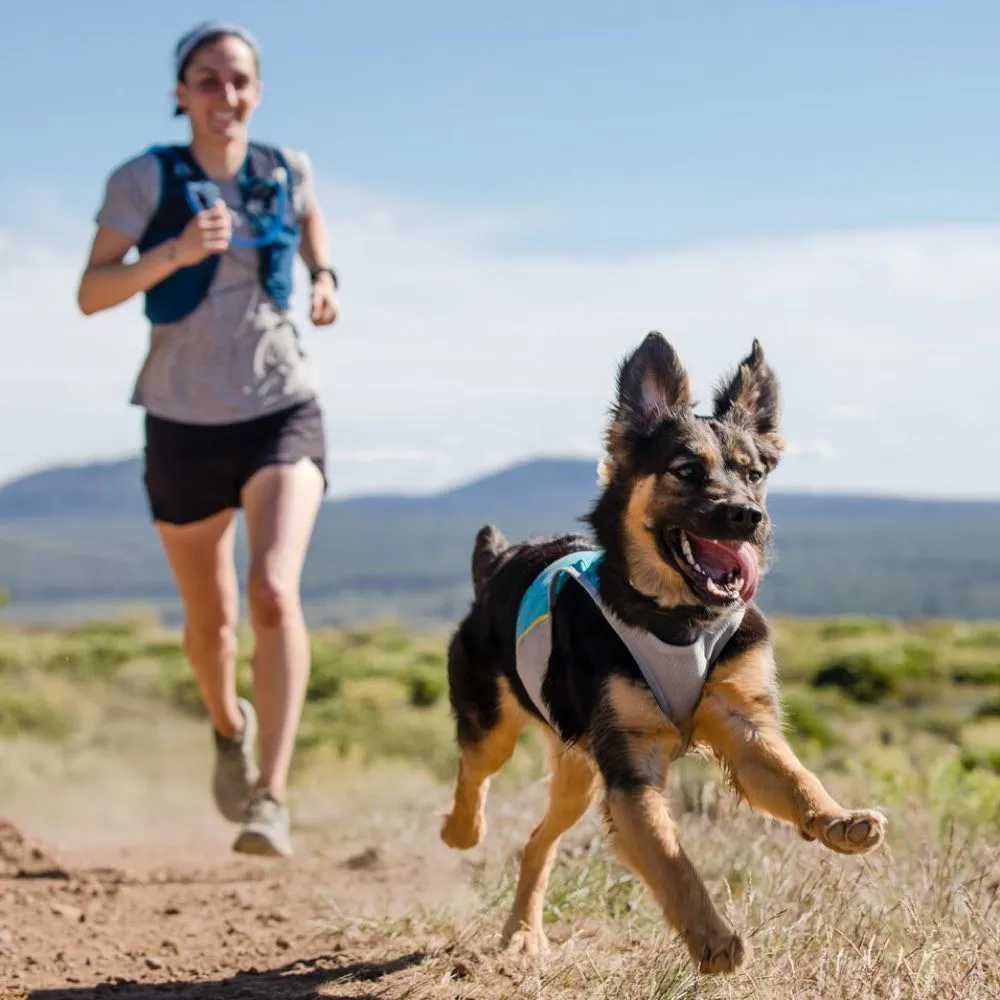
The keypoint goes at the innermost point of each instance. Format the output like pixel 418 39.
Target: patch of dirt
pixel 235 928
pixel 122 894
pixel 207 925
pixel 20 858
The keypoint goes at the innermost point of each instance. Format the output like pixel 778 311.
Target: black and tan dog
pixel 632 647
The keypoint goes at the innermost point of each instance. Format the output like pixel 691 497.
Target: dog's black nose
pixel 743 517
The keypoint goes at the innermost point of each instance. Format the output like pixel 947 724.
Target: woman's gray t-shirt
pixel 238 355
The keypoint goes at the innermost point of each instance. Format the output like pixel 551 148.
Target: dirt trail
pixel 123 886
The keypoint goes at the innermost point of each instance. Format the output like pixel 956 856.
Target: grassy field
pixel 923 694
pixel 903 717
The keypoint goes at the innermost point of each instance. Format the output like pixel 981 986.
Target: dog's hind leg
pixel 488 722
pixel 571 788
pixel 481 757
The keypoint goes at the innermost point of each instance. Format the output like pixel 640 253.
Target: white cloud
pixel 850 411
pixel 817 448
pixel 452 357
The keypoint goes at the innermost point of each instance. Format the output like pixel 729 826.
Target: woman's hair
pixel 204 34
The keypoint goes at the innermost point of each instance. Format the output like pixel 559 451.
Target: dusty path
pixel 235 927
pixel 120 884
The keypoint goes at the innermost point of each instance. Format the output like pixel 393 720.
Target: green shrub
pixel 976 673
pixel 87 659
pixel 98 629
pixel 853 626
pixel 323 683
pixel 164 649
pixel 31 713
pixel 804 721
pixel 938 629
pixel 425 687
pixel 981 637
pixel 919 659
pixel 863 677
pixel 989 709
pixel 988 760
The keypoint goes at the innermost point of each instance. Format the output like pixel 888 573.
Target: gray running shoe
pixel 266 832
pixel 235 767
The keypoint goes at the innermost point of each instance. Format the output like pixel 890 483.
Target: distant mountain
pixel 100 489
pixel 114 489
pixel 78 534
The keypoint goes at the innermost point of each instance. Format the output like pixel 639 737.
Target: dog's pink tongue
pixel 718 557
pixel 748 570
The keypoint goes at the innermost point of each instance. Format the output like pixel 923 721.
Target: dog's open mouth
pixel 721 570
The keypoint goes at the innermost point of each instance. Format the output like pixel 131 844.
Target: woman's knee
pixel 212 632
pixel 273 597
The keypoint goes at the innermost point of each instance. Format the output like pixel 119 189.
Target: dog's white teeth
pixel 686 548
pixel 688 554
pixel 728 591
pixel 730 588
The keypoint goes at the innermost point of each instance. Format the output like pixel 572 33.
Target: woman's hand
pixel 209 232
pixel 325 307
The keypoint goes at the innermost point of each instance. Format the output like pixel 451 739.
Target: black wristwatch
pixel 317 271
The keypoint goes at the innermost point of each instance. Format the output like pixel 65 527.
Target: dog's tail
pixel 490 542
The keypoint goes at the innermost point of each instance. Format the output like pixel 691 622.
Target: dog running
pixel 638 642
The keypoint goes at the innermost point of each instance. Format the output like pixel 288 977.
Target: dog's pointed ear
pixel 751 397
pixel 652 384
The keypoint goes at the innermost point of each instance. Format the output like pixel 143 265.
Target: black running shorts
pixel 193 471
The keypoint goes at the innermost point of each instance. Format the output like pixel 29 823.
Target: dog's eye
pixel 689 472
pixel 755 475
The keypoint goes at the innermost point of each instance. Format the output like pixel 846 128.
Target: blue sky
pixel 589 156
pixel 616 127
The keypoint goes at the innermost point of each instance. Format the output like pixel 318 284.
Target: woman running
pixel 232 418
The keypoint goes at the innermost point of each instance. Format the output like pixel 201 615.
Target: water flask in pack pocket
pixel 265 203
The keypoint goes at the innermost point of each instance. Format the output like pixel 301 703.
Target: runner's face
pixel 220 89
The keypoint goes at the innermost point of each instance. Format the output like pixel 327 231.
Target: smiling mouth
pixel 719 570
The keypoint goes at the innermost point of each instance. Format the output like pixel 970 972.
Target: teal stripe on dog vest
pixel 675 674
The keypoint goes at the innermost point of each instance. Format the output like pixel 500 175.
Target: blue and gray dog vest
pixel 675 674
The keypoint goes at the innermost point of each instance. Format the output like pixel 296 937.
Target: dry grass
pixel 920 918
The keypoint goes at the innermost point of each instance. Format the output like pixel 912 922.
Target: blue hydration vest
pixel 265 185
pixel 675 674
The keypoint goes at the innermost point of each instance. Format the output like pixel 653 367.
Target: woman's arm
pixel 314 251
pixel 313 248
pixel 107 281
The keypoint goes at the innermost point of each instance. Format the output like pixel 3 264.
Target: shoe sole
pixel 253 842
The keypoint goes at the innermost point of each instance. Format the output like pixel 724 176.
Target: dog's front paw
pixel 462 835
pixel 520 937
pixel 850 833
pixel 719 954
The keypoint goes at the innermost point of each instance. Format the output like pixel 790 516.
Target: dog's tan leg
pixel 635 744
pixel 571 788
pixel 738 719
pixel 465 825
